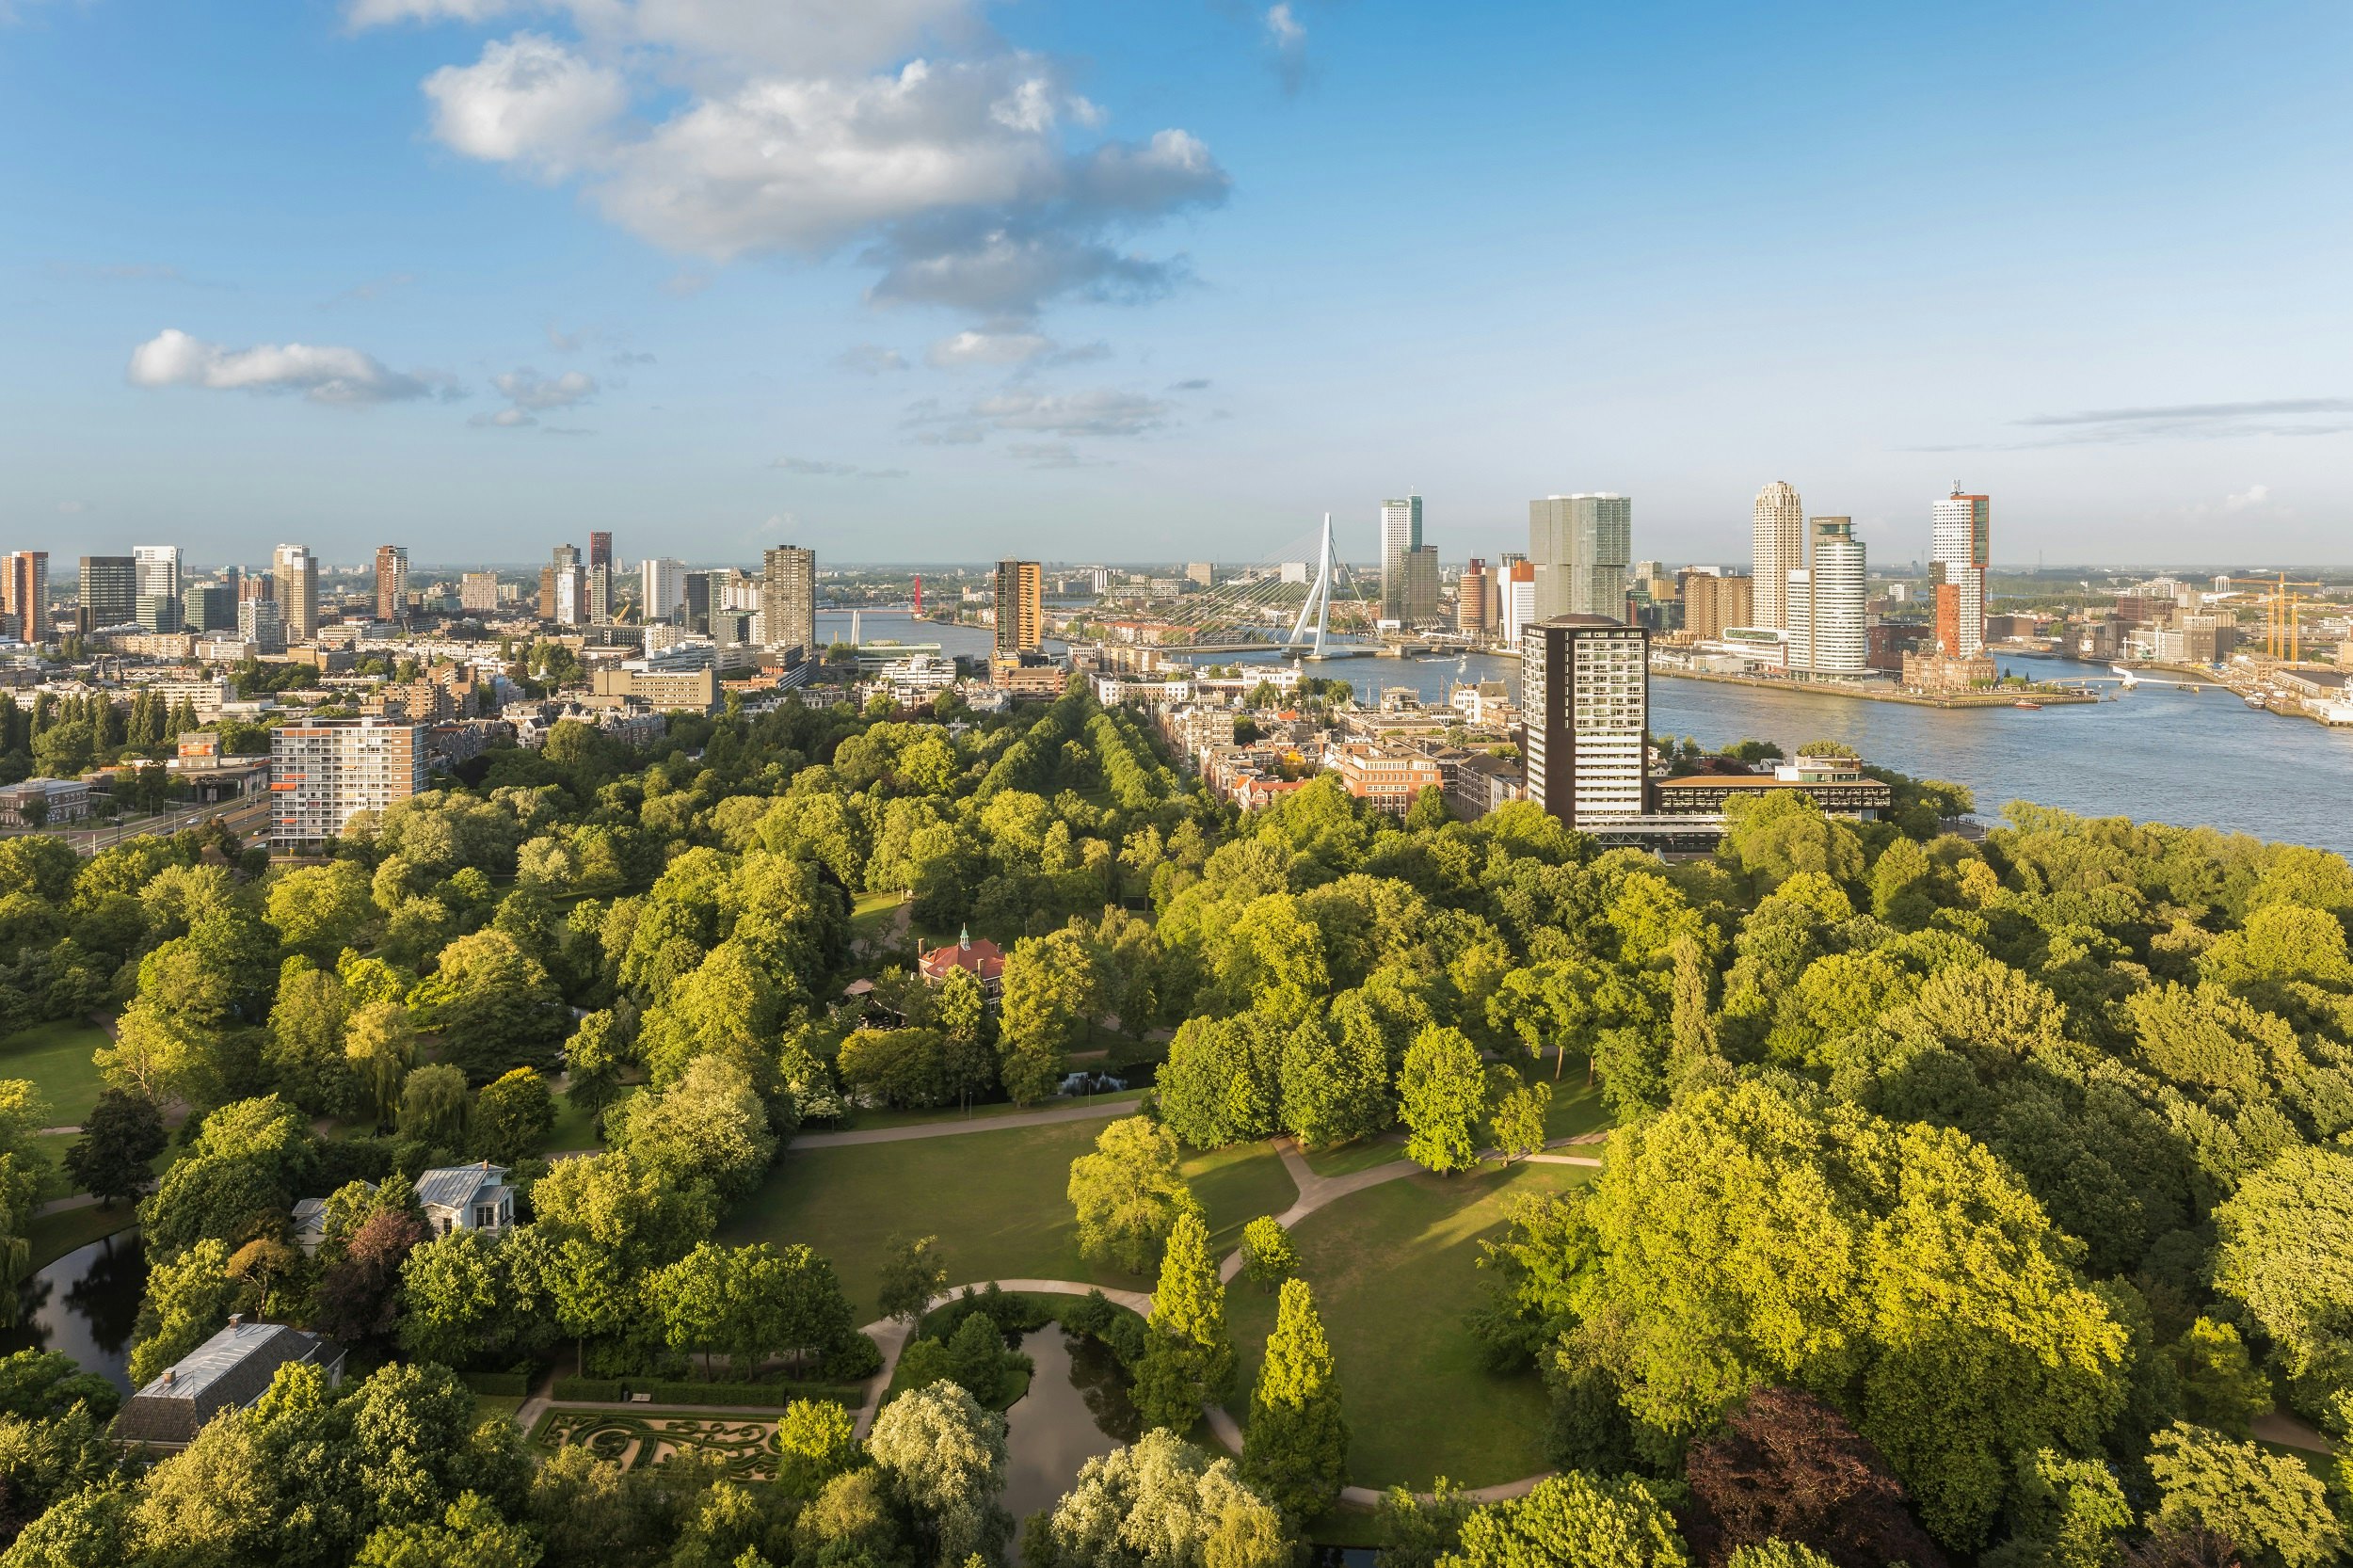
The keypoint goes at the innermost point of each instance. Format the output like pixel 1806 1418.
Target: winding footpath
pixel 1315 1192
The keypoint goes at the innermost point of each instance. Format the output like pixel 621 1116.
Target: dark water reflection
pixel 1077 1408
pixel 85 1305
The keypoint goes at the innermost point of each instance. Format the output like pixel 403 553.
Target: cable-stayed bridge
pixel 1301 598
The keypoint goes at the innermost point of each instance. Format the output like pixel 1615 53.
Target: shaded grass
pixel 575 1129
pixel 57 1057
pixel 1364 1155
pixel 52 1235
pixel 1575 1109
pixel 996 1200
pixel 496 1407
pixel 1394 1270
pixel 863 1120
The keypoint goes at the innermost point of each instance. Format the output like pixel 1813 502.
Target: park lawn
pixel 496 1407
pixel 1394 1269
pixel 862 1121
pixel 57 1057
pixel 575 1127
pixel 1577 1108
pixel 997 1201
pixel 874 903
pixel 1236 1186
pixel 52 1235
pixel 1365 1153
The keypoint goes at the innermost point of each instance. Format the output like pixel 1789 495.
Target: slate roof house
pixel 466 1197
pixel 228 1371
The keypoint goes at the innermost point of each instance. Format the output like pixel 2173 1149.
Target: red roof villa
pixel 983 959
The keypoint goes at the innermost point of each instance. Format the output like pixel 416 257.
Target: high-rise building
pixel 1712 603
pixel 1421 585
pixel 159 588
pixel 1779 549
pixel 209 607
pixel 1199 573
pixel 1581 546
pixel 478 591
pixel 1827 633
pixel 110 591
pixel 1473 613
pixel 296 573
pixel 600 579
pixel 1585 698
pixel 324 772
pixel 1020 607
pixel 700 599
pixel 27 593
pixel 662 583
pixel 391 582
pixel 1960 543
pixel 1517 610
pixel 563 586
pixel 259 623
pixel 788 599
pixel 1400 534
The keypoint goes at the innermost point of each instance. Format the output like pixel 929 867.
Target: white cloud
pixel 505 419
pixel 1289 39
pixel 527 389
pixel 870 359
pixel 957 178
pixel 322 372
pixel 381 13
pixel 987 348
pixel 527 101
pixel 1050 454
pixel 2254 495
pixel 1095 411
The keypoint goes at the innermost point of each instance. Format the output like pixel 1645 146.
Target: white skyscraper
pixel 1400 534
pixel 1960 541
pixel 1779 549
pixel 1581 546
pixel 294 579
pixel 663 581
pixel 1826 604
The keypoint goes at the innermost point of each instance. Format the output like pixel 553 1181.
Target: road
pixel 245 817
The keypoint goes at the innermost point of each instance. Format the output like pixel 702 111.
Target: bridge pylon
pixel 1318 600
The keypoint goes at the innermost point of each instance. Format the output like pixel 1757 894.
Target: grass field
pixel 57 1058
pixel 574 1128
pixel 863 1120
pixel 1349 1159
pixel 1575 1109
pixel 1394 1269
pixel 52 1235
pixel 996 1200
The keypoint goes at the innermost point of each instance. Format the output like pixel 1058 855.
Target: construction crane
pixel 2284 630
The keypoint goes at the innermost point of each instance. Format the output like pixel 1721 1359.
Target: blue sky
pixel 932 279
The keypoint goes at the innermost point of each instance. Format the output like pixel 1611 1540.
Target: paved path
pixel 2279 1427
pixel 1097 1110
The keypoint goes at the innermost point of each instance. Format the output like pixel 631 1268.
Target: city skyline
pixel 432 270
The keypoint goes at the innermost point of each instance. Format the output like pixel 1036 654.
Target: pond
pixel 85 1305
pixel 1076 1409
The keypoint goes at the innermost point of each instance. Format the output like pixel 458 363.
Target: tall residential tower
pixel 1826 604
pixel 1779 549
pixel 1960 549
pixel 295 573
pixel 1400 535
pixel 788 599
pixel 1020 608
pixel 1585 697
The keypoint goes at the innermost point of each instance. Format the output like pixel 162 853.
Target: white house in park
pixel 466 1197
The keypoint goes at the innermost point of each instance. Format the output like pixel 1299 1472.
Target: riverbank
pixel 2047 698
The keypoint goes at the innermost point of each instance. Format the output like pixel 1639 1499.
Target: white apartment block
pixel 324 772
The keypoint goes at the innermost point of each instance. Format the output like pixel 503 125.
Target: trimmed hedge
pixel 771 1393
pixel 515 1383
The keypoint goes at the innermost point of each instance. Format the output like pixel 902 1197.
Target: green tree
pixel 1295 1451
pixel 1268 1255
pixel 469 1534
pixel 709 1126
pixel 1519 1119
pixel 944 1458
pixel 380 1044
pixel 1050 998
pixel 594 1058
pixel 492 1004
pixel 1159 1502
pixel 2069 1513
pixel 436 1106
pixel 120 1138
pixel 188 1299
pixel 1129 1192
pixel 513 1117
pixel 305 1053
pixel 2271 1508
pixel 321 910
pixel 914 1271
pixel 1188 1351
pixel 816 1440
pixel 2285 1248
pixel 1573 1521
pixel 1442 1092
pixel 454 1302
pixel 2220 1386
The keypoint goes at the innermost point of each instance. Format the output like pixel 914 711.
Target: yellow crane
pixel 2284 630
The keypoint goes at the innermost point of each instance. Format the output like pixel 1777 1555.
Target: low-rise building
pixel 1388 776
pixel 1028 675
pixel 1482 781
pixel 979 957
pixel 1838 784
pixel 43 802
pixel 1946 674
pixel 466 1197
pixel 229 1371
pixel 671 691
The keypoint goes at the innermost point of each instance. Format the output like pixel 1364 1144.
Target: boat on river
pixel 2029 704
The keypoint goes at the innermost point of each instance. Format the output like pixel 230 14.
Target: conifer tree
pixel 1296 1450
pixel 1187 1353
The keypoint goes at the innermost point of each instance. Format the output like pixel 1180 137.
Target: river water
pixel 85 1305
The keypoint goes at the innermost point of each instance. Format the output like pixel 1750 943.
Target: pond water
pixel 1077 1408
pixel 85 1305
